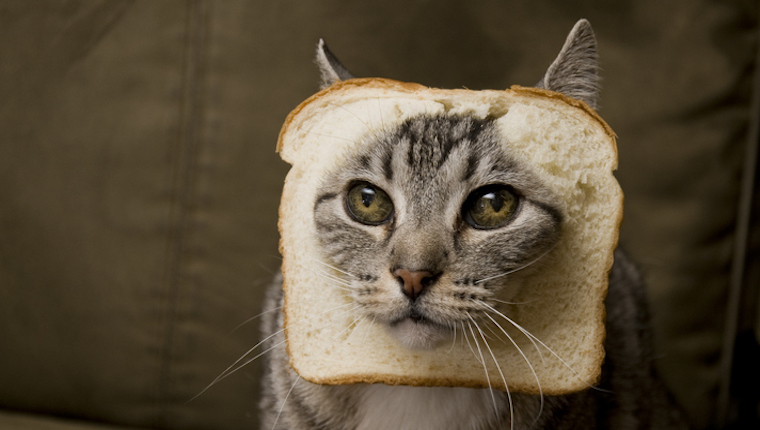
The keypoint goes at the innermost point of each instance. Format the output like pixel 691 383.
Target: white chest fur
pixel 402 407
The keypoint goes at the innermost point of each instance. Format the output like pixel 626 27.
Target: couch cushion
pixel 16 421
pixel 132 240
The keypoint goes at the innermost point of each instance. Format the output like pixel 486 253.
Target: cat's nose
pixel 414 283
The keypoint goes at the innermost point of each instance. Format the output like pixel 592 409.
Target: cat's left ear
pixel 575 71
pixel 330 68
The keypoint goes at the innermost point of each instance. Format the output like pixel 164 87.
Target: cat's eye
pixel 490 207
pixel 368 204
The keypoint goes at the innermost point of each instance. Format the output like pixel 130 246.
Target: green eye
pixel 490 207
pixel 368 204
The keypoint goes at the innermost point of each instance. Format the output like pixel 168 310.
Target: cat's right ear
pixel 329 67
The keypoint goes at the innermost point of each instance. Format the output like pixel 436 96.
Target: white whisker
pixel 330 278
pixel 333 277
pixel 285 400
pixel 485 368
pixel 464 335
pixel 341 283
pixel 233 368
pixel 237 365
pixel 517 326
pixel 253 318
pixel 453 342
pixel 533 370
pixel 357 322
pixel 497 335
pixel 343 331
pixel 369 326
pixel 509 303
pixel 531 336
pixel 334 268
pixel 530 263
pixel 496 362
pixel 332 283
pixel 243 361
pixel 353 325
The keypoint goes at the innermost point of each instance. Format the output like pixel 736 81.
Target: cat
pixel 412 157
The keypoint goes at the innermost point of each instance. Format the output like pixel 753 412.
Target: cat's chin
pixel 418 335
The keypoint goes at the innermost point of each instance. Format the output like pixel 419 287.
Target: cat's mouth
pixel 416 331
pixel 416 316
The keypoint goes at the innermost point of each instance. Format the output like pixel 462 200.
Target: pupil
pixel 497 202
pixel 368 196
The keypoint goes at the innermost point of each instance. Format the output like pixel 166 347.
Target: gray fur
pixel 429 157
pixel 575 71
pixel 429 166
pixel 330 69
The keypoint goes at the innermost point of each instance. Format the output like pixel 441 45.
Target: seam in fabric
pixel 184 198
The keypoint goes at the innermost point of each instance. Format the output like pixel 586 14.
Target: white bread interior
pixel 562 140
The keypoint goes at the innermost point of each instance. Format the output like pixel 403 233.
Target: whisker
pixel 497 335
pixel 530 263
pixel 525 332
pixel 533 370
pixel 329 275
pixel 485 368
pixel 229 372
pixel 357 322
pixel 242 357
pixel 331 282
pixel 366 333
pixel 453 342
pixel 531 336
pixel 347 328
pixel 253 318
pixel 334 268
pixel 339 283
pixel 510 303
pixel 498 367
pixel 284 401
pixel 330 278
pixel 464 334
pixel 233 368
pixel 243 361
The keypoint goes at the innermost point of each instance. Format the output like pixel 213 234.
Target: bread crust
pixel 596 350
pixel 392 84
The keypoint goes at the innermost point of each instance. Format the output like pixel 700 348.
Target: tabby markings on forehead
pixel 432 139
pixel 388 165
pixel 472 166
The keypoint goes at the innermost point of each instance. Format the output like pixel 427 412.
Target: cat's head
pixel 432 222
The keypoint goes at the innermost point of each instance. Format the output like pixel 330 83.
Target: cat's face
pixel 431 223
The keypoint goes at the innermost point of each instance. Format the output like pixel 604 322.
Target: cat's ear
pixel 329 66
pixel 575 71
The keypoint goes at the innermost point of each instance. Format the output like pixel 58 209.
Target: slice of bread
pixel 562 140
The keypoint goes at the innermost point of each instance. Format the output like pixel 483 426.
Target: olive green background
pixel 139 184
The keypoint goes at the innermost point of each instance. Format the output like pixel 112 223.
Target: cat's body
pixel 426 222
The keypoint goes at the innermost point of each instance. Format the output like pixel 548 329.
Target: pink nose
pixel 413 283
